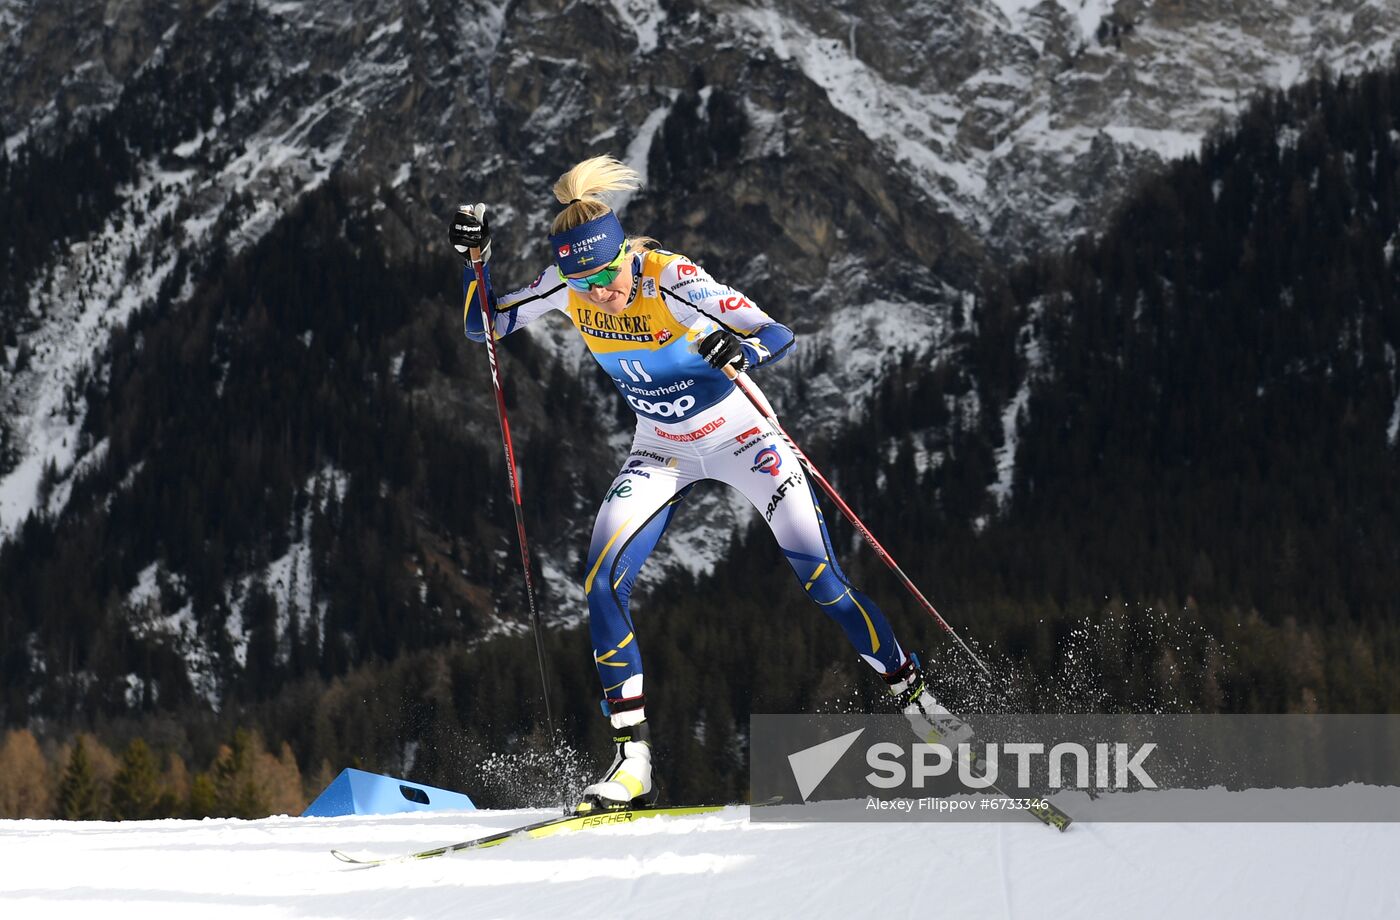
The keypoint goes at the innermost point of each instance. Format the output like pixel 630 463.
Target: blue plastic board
pixel 355 792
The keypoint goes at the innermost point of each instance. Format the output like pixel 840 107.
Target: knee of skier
pixel 607 606
pixel 824 584
pixel 612 581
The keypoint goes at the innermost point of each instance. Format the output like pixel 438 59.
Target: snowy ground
pixel 718 865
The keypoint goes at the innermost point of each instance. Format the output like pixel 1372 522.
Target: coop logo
pixel 767 461
pixel 676 409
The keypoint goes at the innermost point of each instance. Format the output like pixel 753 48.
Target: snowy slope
pixel 711 866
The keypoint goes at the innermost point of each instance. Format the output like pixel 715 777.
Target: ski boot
pixel 927 717
pixel 628 783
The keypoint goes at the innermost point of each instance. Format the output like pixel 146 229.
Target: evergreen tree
pixel 79 795
pixel 204 797
pixel 237 793
pixel 136 791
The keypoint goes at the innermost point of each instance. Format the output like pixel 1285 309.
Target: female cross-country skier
pixel 664 331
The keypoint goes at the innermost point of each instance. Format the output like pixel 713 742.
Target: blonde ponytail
pixel 578 190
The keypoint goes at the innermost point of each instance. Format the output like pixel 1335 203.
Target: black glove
pixel 722 347
pixel 468 230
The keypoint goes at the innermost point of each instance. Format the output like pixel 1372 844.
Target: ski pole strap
pixel 614 707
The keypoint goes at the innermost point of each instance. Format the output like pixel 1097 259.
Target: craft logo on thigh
pixel 778 496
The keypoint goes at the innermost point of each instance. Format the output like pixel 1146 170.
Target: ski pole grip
pixel 468 227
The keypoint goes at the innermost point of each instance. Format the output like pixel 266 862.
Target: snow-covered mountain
pixel 1011 126
pixel 718 865
pixel 856 167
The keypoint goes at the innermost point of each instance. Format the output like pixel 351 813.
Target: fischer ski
pixel 545 828
pixel 950 730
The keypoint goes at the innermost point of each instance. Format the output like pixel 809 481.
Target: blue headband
pixel 588 246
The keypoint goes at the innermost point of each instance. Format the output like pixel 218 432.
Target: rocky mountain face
pixel 860 169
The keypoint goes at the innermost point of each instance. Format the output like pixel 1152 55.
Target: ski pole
pixel 766 411
pixel 478 262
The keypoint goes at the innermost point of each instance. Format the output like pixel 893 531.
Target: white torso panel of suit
pixel 692 424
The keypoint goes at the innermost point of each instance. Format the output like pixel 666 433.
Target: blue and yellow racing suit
pixel 692 423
